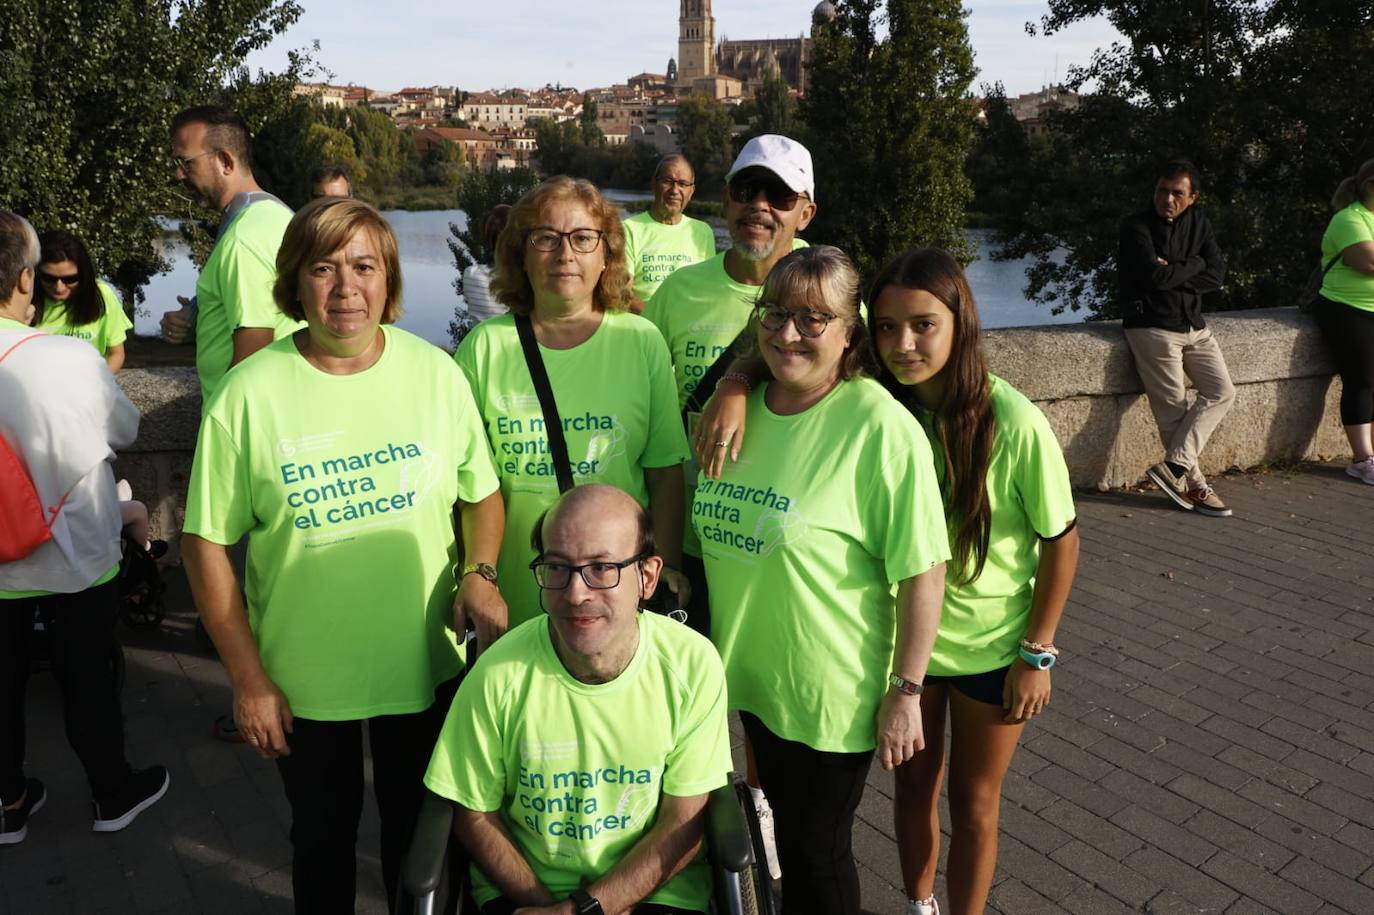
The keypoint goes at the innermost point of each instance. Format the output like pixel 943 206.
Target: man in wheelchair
pixel 580 749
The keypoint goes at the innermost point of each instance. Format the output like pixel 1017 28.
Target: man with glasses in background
pixel 770 195
pixel 232 315
pixel 561 806
pixel 662 238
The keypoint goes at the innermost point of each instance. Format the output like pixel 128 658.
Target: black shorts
pixel 985 687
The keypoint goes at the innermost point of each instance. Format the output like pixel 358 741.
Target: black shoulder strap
pixel 553 424
pixel 1331 263
pixel 696 401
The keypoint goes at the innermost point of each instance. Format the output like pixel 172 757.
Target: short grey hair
pixel 19 249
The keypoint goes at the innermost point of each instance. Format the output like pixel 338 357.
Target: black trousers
pixel 814 795
pixel 82 642
pixel 1349 333
pixel 699 609
pixel 323 778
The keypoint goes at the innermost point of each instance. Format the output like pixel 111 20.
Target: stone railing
pixel 1081 375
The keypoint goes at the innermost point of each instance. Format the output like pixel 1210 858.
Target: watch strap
pixel 1040 660
pixel 585 903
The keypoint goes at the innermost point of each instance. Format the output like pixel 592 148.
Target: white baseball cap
pixel 784 157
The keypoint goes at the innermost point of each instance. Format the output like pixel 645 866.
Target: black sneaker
pixel 144 789
pixel 14 824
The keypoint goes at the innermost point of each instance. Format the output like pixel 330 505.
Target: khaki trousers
pixel 1166 361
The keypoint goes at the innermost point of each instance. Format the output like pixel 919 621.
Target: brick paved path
pixel 1210 746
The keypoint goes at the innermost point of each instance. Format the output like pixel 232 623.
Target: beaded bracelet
pixel 1046 648
pixel 740 377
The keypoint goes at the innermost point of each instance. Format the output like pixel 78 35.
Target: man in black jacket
pixel 1167 260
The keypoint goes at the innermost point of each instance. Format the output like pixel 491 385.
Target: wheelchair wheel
pixel 756 886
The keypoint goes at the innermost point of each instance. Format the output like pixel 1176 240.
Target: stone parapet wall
pixel 1083 378
pixel 1080 375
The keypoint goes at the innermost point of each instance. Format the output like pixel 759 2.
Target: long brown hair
pixel 963 420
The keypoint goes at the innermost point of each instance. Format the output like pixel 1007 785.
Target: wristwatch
pixel 585 903
pixel 1040 660
pixel 904 686
pixel 485 569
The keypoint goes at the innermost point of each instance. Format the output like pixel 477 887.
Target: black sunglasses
pixel 744 188
pixel 70 279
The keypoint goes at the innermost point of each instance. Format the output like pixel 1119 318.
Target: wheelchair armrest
pixel 727 830
pixel 424 863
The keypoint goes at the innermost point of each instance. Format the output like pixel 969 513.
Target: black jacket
pixel 1169 296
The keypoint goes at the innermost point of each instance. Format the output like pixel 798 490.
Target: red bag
pixel 24 525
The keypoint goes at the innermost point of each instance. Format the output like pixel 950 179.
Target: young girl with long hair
pixel 75 302
pixel 1014 546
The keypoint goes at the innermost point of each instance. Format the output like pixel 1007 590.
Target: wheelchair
pixel 434 872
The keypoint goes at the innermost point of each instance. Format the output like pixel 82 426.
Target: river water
pixel 428 273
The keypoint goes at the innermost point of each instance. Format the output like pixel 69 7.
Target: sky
pixel 485 44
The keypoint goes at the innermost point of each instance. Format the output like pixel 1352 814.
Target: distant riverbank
pixel 429 297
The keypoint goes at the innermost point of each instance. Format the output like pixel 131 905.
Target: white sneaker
pixel 1362 470
pixel 924 907
pixel 770 844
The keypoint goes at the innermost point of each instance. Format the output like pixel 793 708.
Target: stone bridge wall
pixel 1081 375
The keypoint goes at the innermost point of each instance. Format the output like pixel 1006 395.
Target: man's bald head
pixel 596 504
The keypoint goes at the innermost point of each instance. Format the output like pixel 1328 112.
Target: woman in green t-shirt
pixel 343 452
pixel 560 269
pixel 75 303
pixel 1015 549
pixel 1345 311
pixel 824 547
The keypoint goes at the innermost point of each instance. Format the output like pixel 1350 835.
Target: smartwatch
pixel 904 686
pixel 585 903
pixel 485 569
pixel 1040 660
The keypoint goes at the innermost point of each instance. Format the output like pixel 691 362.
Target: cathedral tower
pixel 696 41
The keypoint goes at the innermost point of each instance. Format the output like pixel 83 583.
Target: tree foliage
pixel 560 150
pixel 1263 95
pixel 704 128
pixel 478 194
pixel 775 110
pixel 889 126
pixel 90 88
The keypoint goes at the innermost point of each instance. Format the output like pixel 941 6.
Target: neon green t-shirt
pixel 577 769
pixel 805 538
pixel 1342 283
pixel 615 397
pixel 700 310
pixel 11 324
pixel 653 250
pixel 345 485
pixel 1030 498
pixel 110 329
pixel 235 290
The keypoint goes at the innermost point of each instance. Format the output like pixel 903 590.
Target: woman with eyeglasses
pixel 824 546
pixel 74 303
pixel 560 269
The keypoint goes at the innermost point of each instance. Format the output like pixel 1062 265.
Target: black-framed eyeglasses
pixel 599 576
pixel 184 162
pixel 583 241
pixel 52 279
pixel 671 183
pixel 808 323
pixel 744 188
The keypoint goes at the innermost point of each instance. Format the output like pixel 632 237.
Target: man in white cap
pixel 770 195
